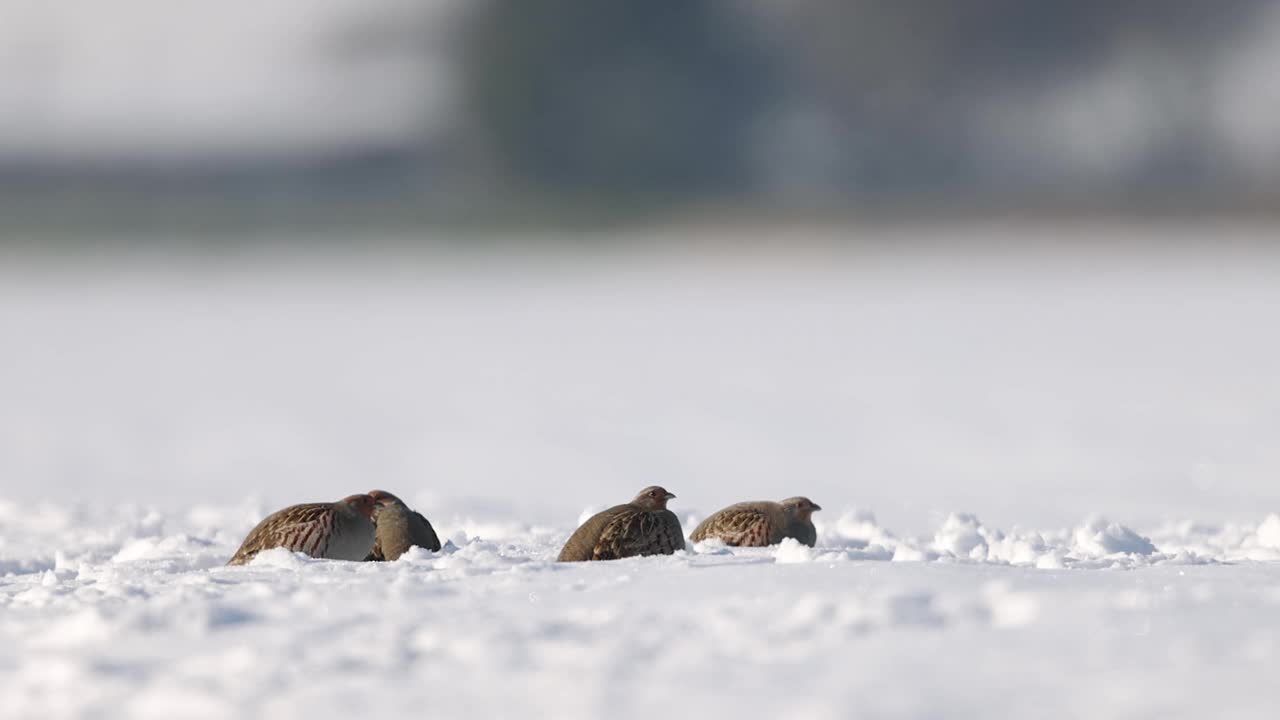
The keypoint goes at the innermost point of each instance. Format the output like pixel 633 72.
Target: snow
pixel 1099 538
pixel 791 551
pixel 143 618
pixel 1048 484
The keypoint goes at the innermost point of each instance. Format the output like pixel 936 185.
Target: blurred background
pixel 1008 257
pixel 425 111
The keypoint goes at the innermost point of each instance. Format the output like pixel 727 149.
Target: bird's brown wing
pixel 421 532
pixel 582 543
pixel 302 528
pixel 741 525
pixel 637 532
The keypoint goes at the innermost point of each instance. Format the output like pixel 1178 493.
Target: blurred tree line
pixel 813 96
pixel 617 96
pixel 467 109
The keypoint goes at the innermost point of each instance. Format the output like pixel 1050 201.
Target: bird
pixel 643 526
pixel 398 528
pixel 340 530
pixel 757 524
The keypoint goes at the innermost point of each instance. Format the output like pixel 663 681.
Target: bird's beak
pixel 671 496
pixel 816 506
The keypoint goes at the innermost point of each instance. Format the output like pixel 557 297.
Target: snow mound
pixel 858 530
pixel 280 558
pixel 791 550
pixel 1268 533
pixel 1098 538
pixel 712 546
pixel 1230 542
pixel 962 536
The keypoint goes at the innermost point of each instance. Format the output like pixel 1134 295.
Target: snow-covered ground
pixel 1049 477
pixel 135 616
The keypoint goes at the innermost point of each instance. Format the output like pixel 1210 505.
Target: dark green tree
pixel 616 96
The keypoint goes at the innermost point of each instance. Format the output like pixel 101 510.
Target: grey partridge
pixel 398 528
pixel 756 524
pixel 341 530
pixel 643 526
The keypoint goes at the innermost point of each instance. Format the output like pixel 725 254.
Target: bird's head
pixel 653 498
pixel 801 508
pixel 382 497
pixel 360 504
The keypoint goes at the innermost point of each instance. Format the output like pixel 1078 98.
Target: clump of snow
pixel 712 546
pixel 857 526
pixel 791 550
pixel 280 558
pixel 417 554
pixel 858 530
pixel 1230 542
pixel 1268 533
pixel 1052 560
pixel 962 536
pixel 1098 538
pixel 906 553
pixel 1019 548
pixel 62 562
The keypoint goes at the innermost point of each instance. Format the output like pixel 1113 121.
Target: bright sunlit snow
pixel 134 615
pixel 1048 479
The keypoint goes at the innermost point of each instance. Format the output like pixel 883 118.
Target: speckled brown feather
pixel 582 543
pixel 311 528
pixel 755 524
pixel 745 524
pixel 643 526
pixel 638 532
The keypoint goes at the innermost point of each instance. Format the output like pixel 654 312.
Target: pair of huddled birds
pixel 379 526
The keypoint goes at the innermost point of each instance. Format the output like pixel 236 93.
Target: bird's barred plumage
pixel 379 526
pixel 757 524
pixel 742 526
pixel 341 531
pixel 632 532
pixel 642 527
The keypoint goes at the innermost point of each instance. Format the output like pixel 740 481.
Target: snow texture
pixel 1071 461
pixel 125 612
